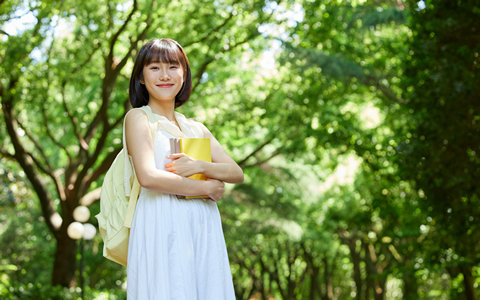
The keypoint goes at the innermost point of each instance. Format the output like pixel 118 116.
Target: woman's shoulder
pixel 134 116
pixel 136 111
pixel 193 123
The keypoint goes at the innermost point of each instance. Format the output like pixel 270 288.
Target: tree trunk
pixel 357 274
pixel 314 284
pixel 410 286
pixel 65 261
pixel 327 279
pixel 314 288
pixel 375 279
pixel 380 288
pixel 468 282
pixel 370 272
pixel 263 277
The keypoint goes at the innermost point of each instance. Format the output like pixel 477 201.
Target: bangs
pixel 163 51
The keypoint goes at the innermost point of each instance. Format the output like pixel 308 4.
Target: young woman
pixel 176 247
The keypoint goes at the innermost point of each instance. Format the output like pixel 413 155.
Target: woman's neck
pixel 166 109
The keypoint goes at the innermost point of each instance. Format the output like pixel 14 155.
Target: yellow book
pixel 196 148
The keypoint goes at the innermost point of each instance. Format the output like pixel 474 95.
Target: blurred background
pixel 357 125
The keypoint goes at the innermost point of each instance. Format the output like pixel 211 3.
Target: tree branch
pixel 387 92
pixel 96 46
pixel 260 162
pixel 7 100
pixel 133 46
pixel 114 39
pixel 235 45
pixel 44 113
pixel 256 150
pixel 101 169
pixel 52 175
pixel 111 73
pixel 93 176
pixel 120 119
pixel 86 180
pixel 203 67
pixel 72 119
pixel 6 154
pixel 211 32
pixel 49 133
pixel 103 114
pixel 198 75
pixel 48 169
pixel 39 165
pixel 25 162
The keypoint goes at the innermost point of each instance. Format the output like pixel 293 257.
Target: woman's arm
pixel 140 147
pixel 222 167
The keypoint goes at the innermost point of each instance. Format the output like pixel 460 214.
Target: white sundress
pixel 176 247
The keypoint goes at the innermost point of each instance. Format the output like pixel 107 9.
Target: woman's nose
pixel 164 74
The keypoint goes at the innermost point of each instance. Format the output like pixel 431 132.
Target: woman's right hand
pixel 215 189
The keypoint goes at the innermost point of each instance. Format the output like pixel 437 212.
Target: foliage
pixel 442 85
pixel 358 143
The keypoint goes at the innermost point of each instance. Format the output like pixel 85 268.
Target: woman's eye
pixel 173 67
pixel 153 68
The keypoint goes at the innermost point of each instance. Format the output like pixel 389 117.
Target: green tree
pixel 64 89
pixel 440 148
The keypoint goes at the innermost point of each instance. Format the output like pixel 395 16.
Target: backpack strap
pixel 131 184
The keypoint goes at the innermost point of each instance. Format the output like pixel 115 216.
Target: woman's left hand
pixel 182 165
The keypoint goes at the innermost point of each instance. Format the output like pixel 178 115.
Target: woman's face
pixel 162 80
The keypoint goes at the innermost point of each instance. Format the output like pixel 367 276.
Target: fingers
pixel 170 167
pixel 175 155
pixel 171 170
pixel 216 198
pixel 217 191
pixel 212 179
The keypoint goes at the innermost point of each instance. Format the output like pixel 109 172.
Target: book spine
pixel 172 146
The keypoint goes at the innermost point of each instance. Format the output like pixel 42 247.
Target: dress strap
pixel 160 122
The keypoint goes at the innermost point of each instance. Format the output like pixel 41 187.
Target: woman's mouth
pixel 165 85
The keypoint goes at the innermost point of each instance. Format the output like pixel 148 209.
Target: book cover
pixel 196 148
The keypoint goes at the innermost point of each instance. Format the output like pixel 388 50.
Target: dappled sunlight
pixel 343 174
pixel 291 228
